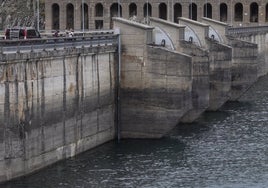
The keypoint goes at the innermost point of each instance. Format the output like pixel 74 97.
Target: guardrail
pixel 50 33
pixel 247 30
pixel 52 43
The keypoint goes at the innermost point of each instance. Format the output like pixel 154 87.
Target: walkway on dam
pixel 92 39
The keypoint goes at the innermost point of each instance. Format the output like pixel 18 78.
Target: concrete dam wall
pixel 172 73
pixel 161 95
pixel 260 38
pixel 54 105
pixel 58 103
pixel 156 84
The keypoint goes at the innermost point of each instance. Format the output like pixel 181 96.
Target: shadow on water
pixel 237 105
pixel 101 165
pixel 203 124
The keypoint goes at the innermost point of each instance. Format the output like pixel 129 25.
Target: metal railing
pixel 51 43
pixel 62 33
pixel 247 30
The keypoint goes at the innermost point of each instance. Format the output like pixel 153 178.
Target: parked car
pixel 21 33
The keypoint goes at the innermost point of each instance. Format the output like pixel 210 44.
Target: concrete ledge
pixel 175 32
pixel 6 58
pixel 211 21
pixel 197 30
pixel 165 22
pixel 193 22
pixel 132 23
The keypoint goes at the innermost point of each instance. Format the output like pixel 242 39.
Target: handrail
pixel 55 39
pixel 247 30
pixel 20 45
pixel 50 33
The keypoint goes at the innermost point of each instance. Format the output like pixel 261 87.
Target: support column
pixel 48 16
pixel 77 15
pixel 63 16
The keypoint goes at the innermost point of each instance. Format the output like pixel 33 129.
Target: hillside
pixel 20 13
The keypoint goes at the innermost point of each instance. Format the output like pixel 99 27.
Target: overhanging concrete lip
pixel 168 50
pixel 133 23
pixel 216 22
pixel 167 22
pixel 193 22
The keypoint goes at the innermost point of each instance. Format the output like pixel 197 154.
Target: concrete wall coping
pixel 216 22
pixel 132 23
pixel 171 51
pixel 167 22
pixel 193 22
pixel 217 28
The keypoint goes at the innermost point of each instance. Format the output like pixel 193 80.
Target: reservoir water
pixel 227 148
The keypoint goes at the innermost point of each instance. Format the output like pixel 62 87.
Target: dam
pixel 59 101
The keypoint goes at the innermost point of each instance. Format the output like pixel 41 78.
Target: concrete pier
pixel 54 105
pixel 156 83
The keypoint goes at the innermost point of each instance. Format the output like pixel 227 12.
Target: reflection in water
pixel 227 148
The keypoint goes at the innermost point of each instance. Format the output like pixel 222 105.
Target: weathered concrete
pixel 220 56
pixel 244 59
pixel 200 30
pixel 200 86
pixel 261 39
pixel 153 109
pixel 173 30
pixel 54 105
pixel 156 83
pixel 220 28
pixel 200 59
pixel 244 67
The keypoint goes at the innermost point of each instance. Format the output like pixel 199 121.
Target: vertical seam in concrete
pixel 7 118
pixel 110 71
pixel 166 73
pixel 21 121
pixel 83 60
pixel 38 94
pixel 77 99
pixel 64 106
pixel 98 80
pixel 43 102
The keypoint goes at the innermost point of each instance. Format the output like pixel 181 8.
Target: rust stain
pixel 71 88
pixel 2 74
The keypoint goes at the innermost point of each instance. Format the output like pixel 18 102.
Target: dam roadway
pixel 51 43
